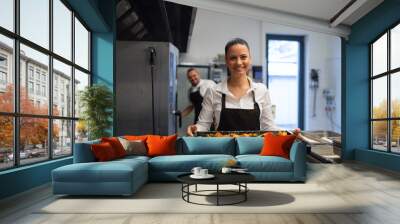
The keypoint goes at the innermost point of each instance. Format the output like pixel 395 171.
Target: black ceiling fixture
pixel 155 20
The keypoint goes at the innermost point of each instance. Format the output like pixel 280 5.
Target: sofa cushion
pixel 249 145
pixel 116 145
pixel 185 163
pixel 206 145
pixel 277 145
pixel 112 171
pixel 161 145
pixel 134 147
pixel 257 163
pixel 132 158
pixel 136 137
pixel 103 152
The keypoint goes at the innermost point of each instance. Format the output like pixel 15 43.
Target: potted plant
pixel 96 102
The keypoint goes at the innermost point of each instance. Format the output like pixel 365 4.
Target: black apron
pixel 239 119
pixel 196 99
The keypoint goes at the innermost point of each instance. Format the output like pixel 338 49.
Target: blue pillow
pixel 249 145
pixel 206 145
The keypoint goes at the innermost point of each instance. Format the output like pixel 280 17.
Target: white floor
pixel 378 189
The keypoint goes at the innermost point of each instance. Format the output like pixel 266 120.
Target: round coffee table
pixel 238 179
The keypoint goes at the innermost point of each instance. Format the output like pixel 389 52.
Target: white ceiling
pixel 313 15
pixel 319 9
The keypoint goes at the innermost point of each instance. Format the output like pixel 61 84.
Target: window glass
pixel 395 47
pixel 81 81
pixel 395 136
pixel 379 56
pixel 81 45
pixel 34 80
pixel 62 29
pixel 6 142
pixel 81 131
pixel 283 80
pixel 39 62
pixel 379 98
pixel 34 21
pixel 395 95
pixel 379 135
pixel 6 74
pixel 62 138
pixel 283 58
pixel 33 139
pixel 7 14
pixel 62 91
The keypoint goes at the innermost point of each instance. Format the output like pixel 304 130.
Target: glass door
pixel 285 63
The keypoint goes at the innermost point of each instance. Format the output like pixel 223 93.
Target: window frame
pixel 16 114
pixel 388 74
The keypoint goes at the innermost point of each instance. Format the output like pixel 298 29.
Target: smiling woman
pixel 236 104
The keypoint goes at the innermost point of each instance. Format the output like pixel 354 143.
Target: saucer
pixel 208 176
pixel 240 171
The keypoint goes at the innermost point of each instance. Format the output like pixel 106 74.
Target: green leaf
pixel 96 102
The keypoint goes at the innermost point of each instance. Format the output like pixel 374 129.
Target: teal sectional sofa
pixel 125 176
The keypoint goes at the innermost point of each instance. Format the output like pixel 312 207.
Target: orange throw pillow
pixel 161 145
pixel 277 145
pixel 103 151
pixel 136 137
pixel 116 145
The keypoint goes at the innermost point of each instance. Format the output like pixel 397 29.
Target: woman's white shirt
pixel 212 105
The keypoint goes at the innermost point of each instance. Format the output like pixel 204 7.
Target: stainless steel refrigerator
pixel 145 87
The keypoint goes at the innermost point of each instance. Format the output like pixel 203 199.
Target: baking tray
pixel 233 133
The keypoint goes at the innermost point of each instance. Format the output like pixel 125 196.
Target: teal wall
pixel 103 52
pixel 24 178
pixel 89 11
pixel 103 47
pixel 356 112
pixel 99 16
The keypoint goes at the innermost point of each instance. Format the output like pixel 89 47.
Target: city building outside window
pixel 44 77
pixel 30 87
pixel 3 72
pixel 43 90
pixel 56 129
pixel 38 89
pixel 3 61
pixel 37 75
pixel 30 72
pixel 3 78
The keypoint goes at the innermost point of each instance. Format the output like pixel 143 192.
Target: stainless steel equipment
pixel 325 146
pixel 145 87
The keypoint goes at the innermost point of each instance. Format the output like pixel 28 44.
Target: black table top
pixel 220 178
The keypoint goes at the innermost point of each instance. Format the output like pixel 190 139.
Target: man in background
pixel 196 92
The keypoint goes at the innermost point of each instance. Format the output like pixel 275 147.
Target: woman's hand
pixel 297 132
pixel 191 130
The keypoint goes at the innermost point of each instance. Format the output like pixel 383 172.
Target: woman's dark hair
pixel 234 42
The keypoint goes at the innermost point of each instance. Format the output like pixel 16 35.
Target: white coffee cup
pixel 226 170
pixel 196 171
pixel 203 172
